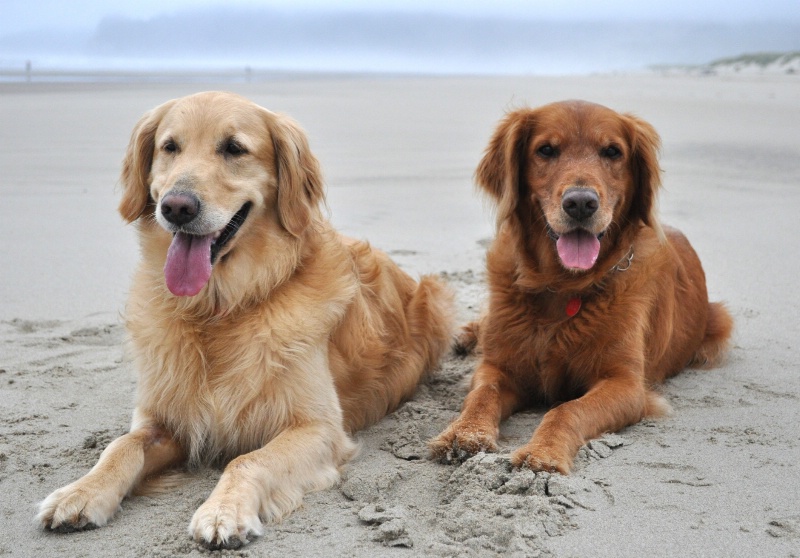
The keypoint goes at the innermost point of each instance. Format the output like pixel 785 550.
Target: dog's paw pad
pixel 456 445
pixel 232 543
pixel 73 508
pixel 220 526
pixel 540 461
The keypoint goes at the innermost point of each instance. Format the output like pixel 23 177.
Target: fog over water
pixel 394 41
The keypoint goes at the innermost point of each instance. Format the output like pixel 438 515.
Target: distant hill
pixel 763 62
pixel 759 63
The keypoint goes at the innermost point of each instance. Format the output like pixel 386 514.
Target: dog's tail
pixel 717 338
pixel 467 339
pixel 431 320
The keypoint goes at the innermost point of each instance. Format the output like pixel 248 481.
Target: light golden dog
pixel 591 301
pixel 260 335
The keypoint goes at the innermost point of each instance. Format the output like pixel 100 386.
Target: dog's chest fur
pixel 548 352
pixel 222 393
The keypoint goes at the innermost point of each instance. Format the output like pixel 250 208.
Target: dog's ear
pixel 300 185
pixel 135 177
pixel 645 145
pixel 502 168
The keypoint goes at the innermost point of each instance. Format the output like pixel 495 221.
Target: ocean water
pixel 244 44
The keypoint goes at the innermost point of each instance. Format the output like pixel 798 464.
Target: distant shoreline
pixel 8 77
pixel 166 76
pixel 765 63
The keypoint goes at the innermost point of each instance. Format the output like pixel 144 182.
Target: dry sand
pixel 721 477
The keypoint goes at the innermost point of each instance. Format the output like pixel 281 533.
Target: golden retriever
pixel 591 301
pixel 261 337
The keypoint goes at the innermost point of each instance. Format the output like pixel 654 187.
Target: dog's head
pixel 212 169
pixel 575 172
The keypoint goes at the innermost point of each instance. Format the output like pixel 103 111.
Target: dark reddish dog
pixel 591 302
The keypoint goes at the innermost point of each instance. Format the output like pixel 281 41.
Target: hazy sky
pixel 16 15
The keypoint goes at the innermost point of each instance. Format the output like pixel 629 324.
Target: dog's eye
pixel 170 146
pixel 547 151
pixel 611 152
pixel 234 148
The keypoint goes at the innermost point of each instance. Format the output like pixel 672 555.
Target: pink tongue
pixel 188 266
pixel 578 249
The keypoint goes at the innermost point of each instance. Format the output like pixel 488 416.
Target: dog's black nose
pixel 180 208
pixel 580 203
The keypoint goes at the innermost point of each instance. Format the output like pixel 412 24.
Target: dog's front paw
pixel 77 507
pixel 460 441
pixel 225 523
pixel 541 459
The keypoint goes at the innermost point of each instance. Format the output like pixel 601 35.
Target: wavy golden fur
pixel 297 338
pixel 592 302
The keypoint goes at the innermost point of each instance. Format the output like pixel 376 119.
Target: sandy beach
pixel 720 477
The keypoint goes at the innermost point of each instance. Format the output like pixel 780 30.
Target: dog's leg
pixel 270 482
pixel 608 406
pixel 490 400
pixel 93 499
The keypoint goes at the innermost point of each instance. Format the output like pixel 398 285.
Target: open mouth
pixel 190 256
pixel 578 248
pixel 229 231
